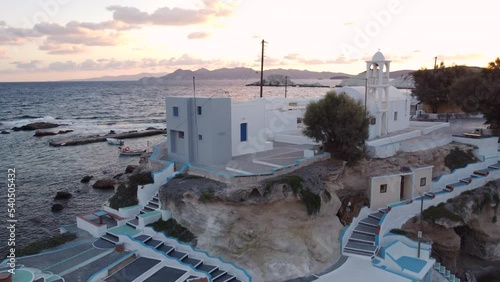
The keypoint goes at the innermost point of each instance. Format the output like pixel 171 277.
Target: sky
pixel 50 40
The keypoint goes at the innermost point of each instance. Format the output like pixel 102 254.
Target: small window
pixel 199 110
pixel 395 116
pixel 423 181
pixel 293 104
pixel 373 121
pixel 200 137
pixel 243 132
pixel 299 120
pixel 181 134
pixel 176 111
pixel 383 188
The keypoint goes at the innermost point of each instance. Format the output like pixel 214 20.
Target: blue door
pixel 243 132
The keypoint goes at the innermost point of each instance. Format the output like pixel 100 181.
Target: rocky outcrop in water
pixel 62 195
pixel 263 228
pixel 86 179
pixel 105 184
pixel 35 126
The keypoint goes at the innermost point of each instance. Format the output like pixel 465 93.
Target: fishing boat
pixel 129 152
pixel 114 141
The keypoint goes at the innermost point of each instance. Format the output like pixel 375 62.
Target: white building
pixel 389 108
pixel 201 130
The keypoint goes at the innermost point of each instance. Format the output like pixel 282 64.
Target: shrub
pixel 458 159
pixel 494 219
pixel 399 231
pixel 206 196
pixel 38 246
pixel 141 178
pixel 173 229
pixel 312 201
pixel 434 213
pixel 125 196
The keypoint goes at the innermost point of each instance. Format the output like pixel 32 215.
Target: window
pixel 383 188
pixel 199 110
pixel 423 181
pixel 176 111
pixel 299 120
pixel 181 134
pixel 243 132
pixel 395 116
pixel 200 137
pixel 373 121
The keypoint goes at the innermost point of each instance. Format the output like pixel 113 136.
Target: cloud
pixel 32 65
pixel 297 58
pixel 89 34
pixel 173 16
pixel 16 36
pixel 61 49
pixel 186 60
pixel 460 57
pixel 63 66
pixel 198 35
pixel 2 52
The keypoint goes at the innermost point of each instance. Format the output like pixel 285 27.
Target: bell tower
pixel 377 81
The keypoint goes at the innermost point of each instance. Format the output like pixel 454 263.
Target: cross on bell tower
pixel 377 81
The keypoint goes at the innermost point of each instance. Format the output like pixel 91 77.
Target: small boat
pixel 114 141
pixel 128 152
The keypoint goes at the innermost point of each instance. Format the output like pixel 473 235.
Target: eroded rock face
pixel 274 242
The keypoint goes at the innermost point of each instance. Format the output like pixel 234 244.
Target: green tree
pixel 480 92
pixel 433 86
pixel 340 122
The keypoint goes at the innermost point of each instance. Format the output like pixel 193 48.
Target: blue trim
pixel 393 272
pixel 202 251
pixel 377 236
pixel 111 265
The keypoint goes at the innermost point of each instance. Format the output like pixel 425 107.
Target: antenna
pixel 262 67
pixel 286 84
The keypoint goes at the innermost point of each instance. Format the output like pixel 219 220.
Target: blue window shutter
pixel 243 132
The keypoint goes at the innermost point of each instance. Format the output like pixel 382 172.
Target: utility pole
pixel 262 67
pixel 435 64
pixel 286 84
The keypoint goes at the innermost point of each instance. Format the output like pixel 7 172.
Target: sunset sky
pixel 44 40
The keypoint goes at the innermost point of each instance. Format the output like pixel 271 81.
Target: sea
pixel 87 108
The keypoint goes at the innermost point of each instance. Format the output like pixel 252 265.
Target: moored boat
pixel 129 152
pixel 114 141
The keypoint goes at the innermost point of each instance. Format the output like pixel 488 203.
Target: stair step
pixel 192 261
pixel 224 278
pixel 356 252
pixel 495 166
pixel 360 246
pixel 178 255
pixel 429 195
pixel 482 172
pixel 154 243
pixel 148 209
pixel 370 221
pixel 110 238
pixel 377 215
pixel 207 268
pixel 366 229
pixel 467 180
pixel 217 273
pixel 154 205
pixel 362 237
pixel 143 238
pixel 165 248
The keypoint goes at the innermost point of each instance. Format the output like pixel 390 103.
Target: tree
pixel 433 86
pixel 340 122
pixel 480 92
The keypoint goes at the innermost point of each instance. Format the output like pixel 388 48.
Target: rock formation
pixel 62 195
pixel 263 228
pixel 104 184
pixel 86 179
pixel 36 126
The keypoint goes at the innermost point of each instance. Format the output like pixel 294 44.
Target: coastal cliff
pixel 264 228
pixel 465 231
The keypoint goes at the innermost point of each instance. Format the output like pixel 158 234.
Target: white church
pixel 211 131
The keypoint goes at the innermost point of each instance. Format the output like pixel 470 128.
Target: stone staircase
pixel 217 274
pixel 362 241
pixel 153 205
pixel 445 272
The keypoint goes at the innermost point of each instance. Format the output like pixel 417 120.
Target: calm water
pixel 87 108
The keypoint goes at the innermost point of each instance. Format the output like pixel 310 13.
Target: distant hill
pixel 400 79
pixel 241 73
pixel 129 77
